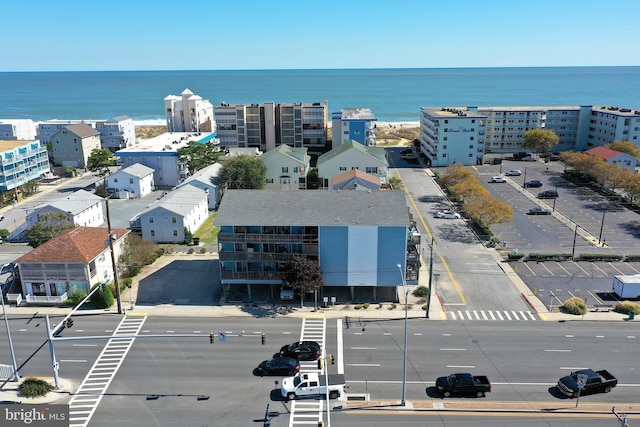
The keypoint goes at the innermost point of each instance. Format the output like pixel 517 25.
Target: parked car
pixel 528 159
pixel 302 350
pixel 447 214
pixel 286 294
pixel 463 385
pixel 497 179
pixel 592 382
pixel 278 366
pixel 409 156
pixel 533 183
pixel 548 194
pixel 554 158
pixel 539 211
pixel 406 151
pixel 513 172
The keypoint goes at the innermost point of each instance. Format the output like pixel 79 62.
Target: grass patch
pixel 208 233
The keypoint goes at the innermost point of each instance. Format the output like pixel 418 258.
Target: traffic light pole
pixel 52 352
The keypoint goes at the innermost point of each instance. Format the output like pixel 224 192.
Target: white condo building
pixel 189 113
pixel 115 133
pixel 266 126
pixel 17 129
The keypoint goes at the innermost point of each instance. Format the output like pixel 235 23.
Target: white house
pixel 623 160
pixel 353 156
pixel 207 180
pixel 189 113
pixel 131 182
pixel 165 220
pixel 81 208
pixel 75 260
pixel 287 168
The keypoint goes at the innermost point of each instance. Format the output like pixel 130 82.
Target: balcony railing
pixel 252 275
pixel 45 299
pixel 255 237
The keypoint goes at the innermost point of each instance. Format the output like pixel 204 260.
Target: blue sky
pixel 44 35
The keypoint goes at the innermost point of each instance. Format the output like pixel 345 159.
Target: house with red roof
pixel 75 260
pixel 624 160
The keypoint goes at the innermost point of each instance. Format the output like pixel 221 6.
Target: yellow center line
pixel 415 207
pixel 463 300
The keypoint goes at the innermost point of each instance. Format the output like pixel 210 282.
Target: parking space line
pixel 565 270
pixel 546 268
pixel 529 268
pixel 615 268
pixel 631 267
pixel 595 297
pixel 596 266
pixel 578 265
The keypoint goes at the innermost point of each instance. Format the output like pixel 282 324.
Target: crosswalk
pixel 490 315
pixel 310 411
pixel 90 392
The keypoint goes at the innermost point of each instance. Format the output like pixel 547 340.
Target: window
pixel 174 219
pixel 175 233
pixel 269 180
pixel 285 169
pixel 444 147
pixel 372 169
pixel 115 179
pixel 153 233
pixel 471 139
pixel 295 169
pixel 343 168
pixel 130 180
pixel 150 220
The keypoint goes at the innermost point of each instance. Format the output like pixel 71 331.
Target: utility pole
pixel 111 237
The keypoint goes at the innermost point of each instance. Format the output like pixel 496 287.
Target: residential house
pixel 75 260
pixel 355 180
pixel 353 124
pixel 116 133
pixel 207 180
pixel 81 207
pixel 623 160
pixel 189 113
pixel 166 219
pixel 72 145
pixel 287 168
pixel 131 182
pixel 21 162
pixel 353 156
pixel 360 239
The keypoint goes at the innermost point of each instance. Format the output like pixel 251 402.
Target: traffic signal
pixel 319 363
pixel 102 287
pixel 331 360
pixel 211 336
pixel 263 337
pixel 69 323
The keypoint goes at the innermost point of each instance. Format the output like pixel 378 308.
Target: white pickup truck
pixel 312 384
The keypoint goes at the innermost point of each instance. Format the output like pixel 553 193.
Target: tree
pixel 198 155
pixel 627 147
pixel 137 253
pixel 4 234
pixel 540 140
pixel 313 179
pixel 304 275
pixel 396 183
pixel 100 160
pixel 489 210
pixel 243 172
pixel 49 225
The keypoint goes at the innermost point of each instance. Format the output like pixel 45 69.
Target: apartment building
pixel 72 145
pixel 21 162
pixel 608 124
pixel 359 238
pixel 115 133
pixel 265 126
pixel 353 124
pixel 17 129
pixel 189 113
pixel 452 136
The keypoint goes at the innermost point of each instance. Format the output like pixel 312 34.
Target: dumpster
pixel 632 316
pixel 196 241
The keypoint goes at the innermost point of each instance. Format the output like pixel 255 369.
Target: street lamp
pixel 430 279
pixel 604 210
pixel 16 375
pixel 406 316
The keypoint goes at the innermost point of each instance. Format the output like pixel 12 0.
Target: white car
pixel 513 172
pixel 447 214
pixel 497 179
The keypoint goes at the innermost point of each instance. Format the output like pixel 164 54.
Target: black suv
pixel 548 194
pixel 302 350
pixel 533 183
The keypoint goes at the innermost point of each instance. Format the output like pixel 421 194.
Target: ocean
pixel 393 95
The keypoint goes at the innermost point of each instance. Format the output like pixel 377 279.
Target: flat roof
pixel 167 142
pixel 357 114
pixel 313 208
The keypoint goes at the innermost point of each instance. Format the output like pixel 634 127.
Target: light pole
pixel 430 279
pixel 110 238
pixel 16 375
pixel 604 210
pixel 524 178
pixel 573 251
pixel 406 316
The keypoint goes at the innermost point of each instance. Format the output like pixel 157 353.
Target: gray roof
pixel 138 170
pixel 180 201
pixel 297 153
pixel 313 208
pixel 378 153
pixel 82 130
pixel 75 202
pixel 208 175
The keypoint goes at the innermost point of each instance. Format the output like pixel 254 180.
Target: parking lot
pixel 581 222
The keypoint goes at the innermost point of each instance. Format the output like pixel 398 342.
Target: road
pixel 188 381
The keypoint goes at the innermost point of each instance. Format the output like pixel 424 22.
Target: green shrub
pixel 75 298
pixel 190 251
pixel 365 305
pixel 575 306
pixel 380 305
pixel 203 250
pixel 627 307
pixel 600 257
pixel 125 283
pixel 421 291
pixel 515 256
pixel 358 306
pixel 632 258
pixel 102 299
pixel 34 387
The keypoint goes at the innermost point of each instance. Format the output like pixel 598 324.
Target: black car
pixel 533 183
pixel 548 194
pixel 539 211
pixel 302 350
pixel 278 366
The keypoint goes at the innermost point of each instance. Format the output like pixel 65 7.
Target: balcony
pixel 46 300
pixel 266 238
pixel 252 275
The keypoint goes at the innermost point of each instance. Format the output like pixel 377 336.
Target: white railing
pixel 45 299
pixel 14 298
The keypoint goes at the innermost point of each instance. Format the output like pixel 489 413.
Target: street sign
pixel 222 336
pixel 582 381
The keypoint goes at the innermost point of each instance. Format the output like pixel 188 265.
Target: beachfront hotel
pixel 578 128
pixel 268 125
pixel 189 113
pixel 353 124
